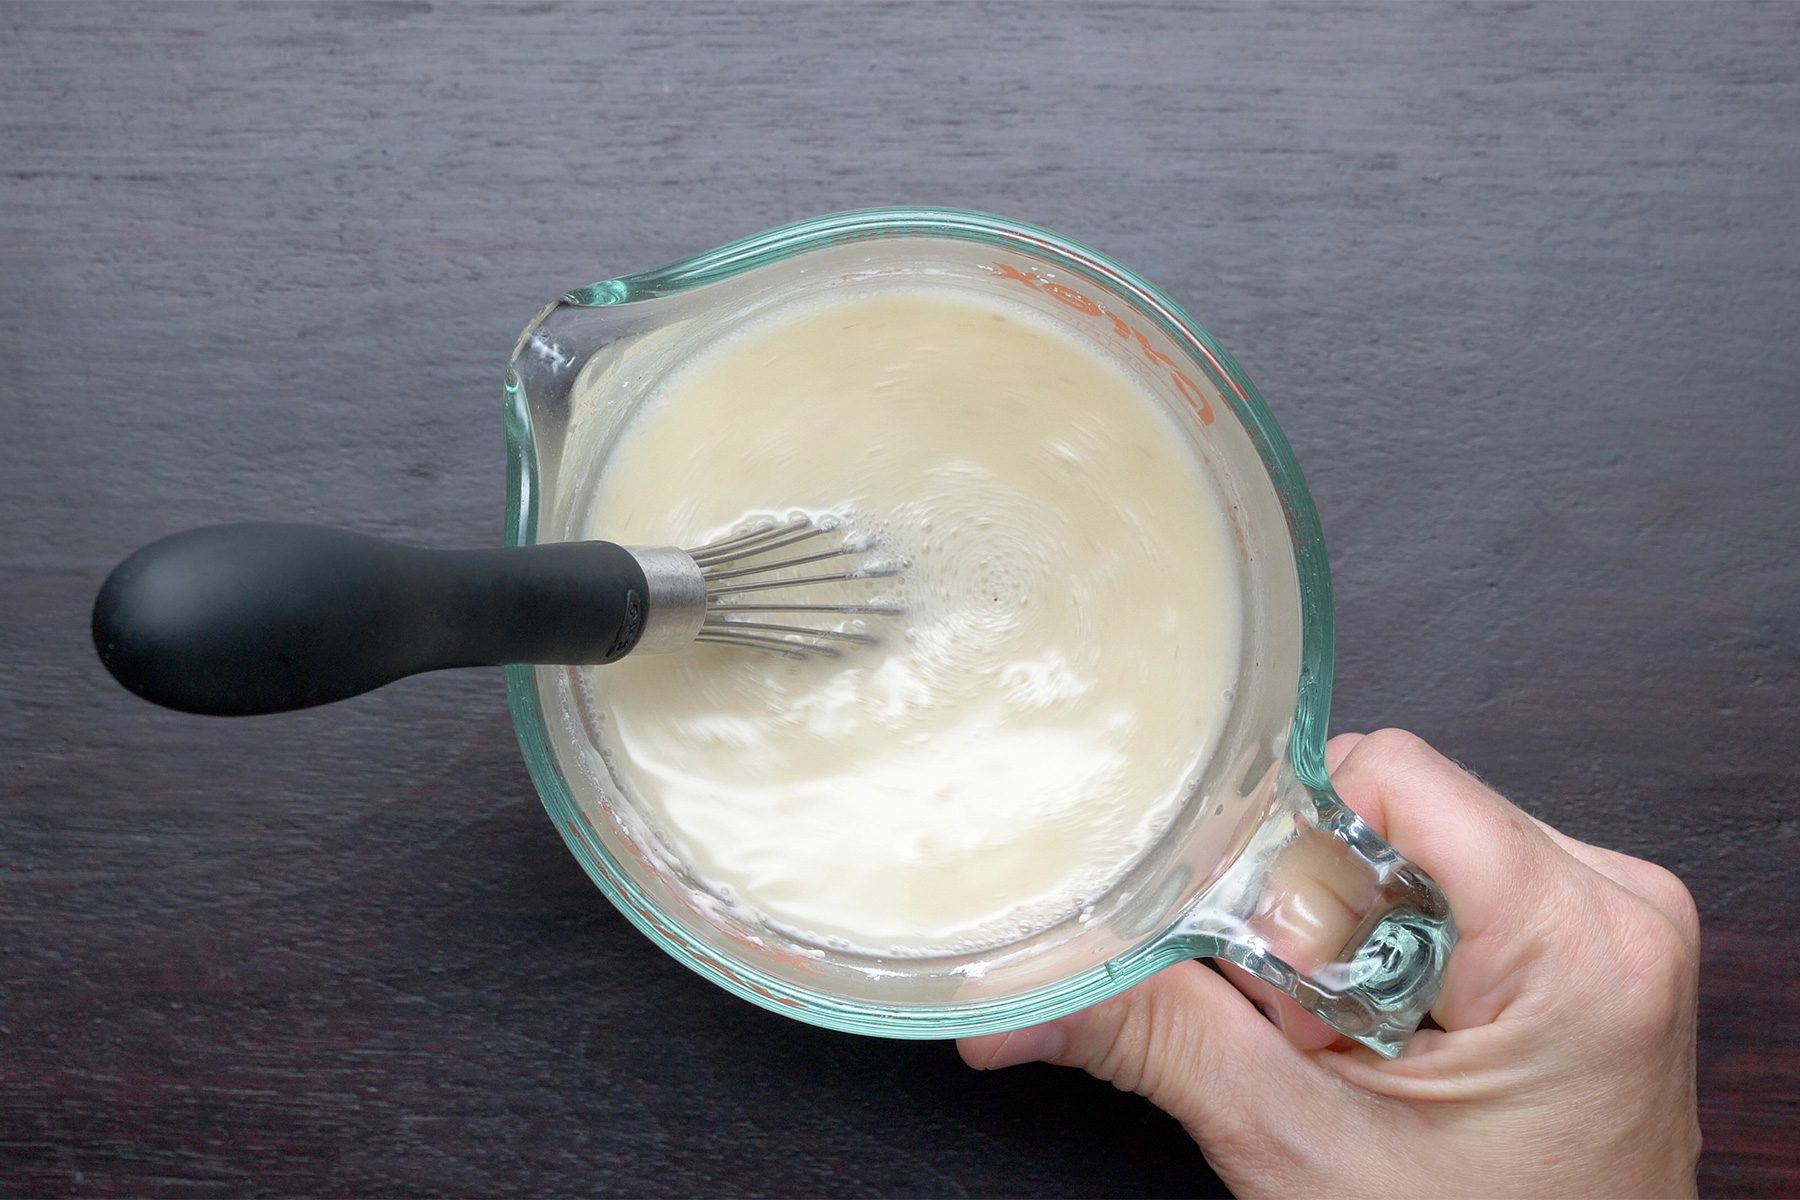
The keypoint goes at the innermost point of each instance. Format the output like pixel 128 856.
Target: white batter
pixel 1028 728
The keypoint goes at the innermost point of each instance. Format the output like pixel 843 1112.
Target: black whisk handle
pixel 234 620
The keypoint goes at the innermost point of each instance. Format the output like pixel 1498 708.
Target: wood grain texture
pixel 1521 281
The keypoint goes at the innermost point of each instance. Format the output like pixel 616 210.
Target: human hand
pixel 1565 1061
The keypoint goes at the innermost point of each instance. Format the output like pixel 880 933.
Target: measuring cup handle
pixel 1320 907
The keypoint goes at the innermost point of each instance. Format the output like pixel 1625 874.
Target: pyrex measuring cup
pixel 1261 841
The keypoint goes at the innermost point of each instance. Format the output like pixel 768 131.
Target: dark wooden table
pixel 1522 282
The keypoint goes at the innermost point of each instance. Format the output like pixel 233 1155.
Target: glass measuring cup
pixel 1260 848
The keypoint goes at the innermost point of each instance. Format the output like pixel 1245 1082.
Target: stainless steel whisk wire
pixel 728 574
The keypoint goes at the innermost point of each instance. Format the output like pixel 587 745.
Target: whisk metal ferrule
pixel 676 605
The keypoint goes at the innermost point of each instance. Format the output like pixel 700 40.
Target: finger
pixel 1603 861
pixel 1315 928
pixel 1505 879
pixel 1308 919
pixel 1478 846
pixel 1313 897
pixel 1301 1028
pixel 1654 885
pixel 1185 1040
pixel 1339 748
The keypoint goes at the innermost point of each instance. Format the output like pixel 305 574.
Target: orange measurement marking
pixel 1191 392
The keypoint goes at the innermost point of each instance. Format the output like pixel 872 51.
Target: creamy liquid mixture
pixel 1027 729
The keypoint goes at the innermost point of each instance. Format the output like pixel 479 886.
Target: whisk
pixel 729 572
pixel 234 620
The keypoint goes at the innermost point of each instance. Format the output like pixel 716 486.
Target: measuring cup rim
pixel 1305 744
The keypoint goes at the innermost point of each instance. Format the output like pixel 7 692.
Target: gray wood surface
pixel 1521 281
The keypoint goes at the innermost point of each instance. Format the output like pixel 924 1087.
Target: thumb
pixel 1186 1040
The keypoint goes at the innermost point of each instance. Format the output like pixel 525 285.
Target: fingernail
pixel 1027 1045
